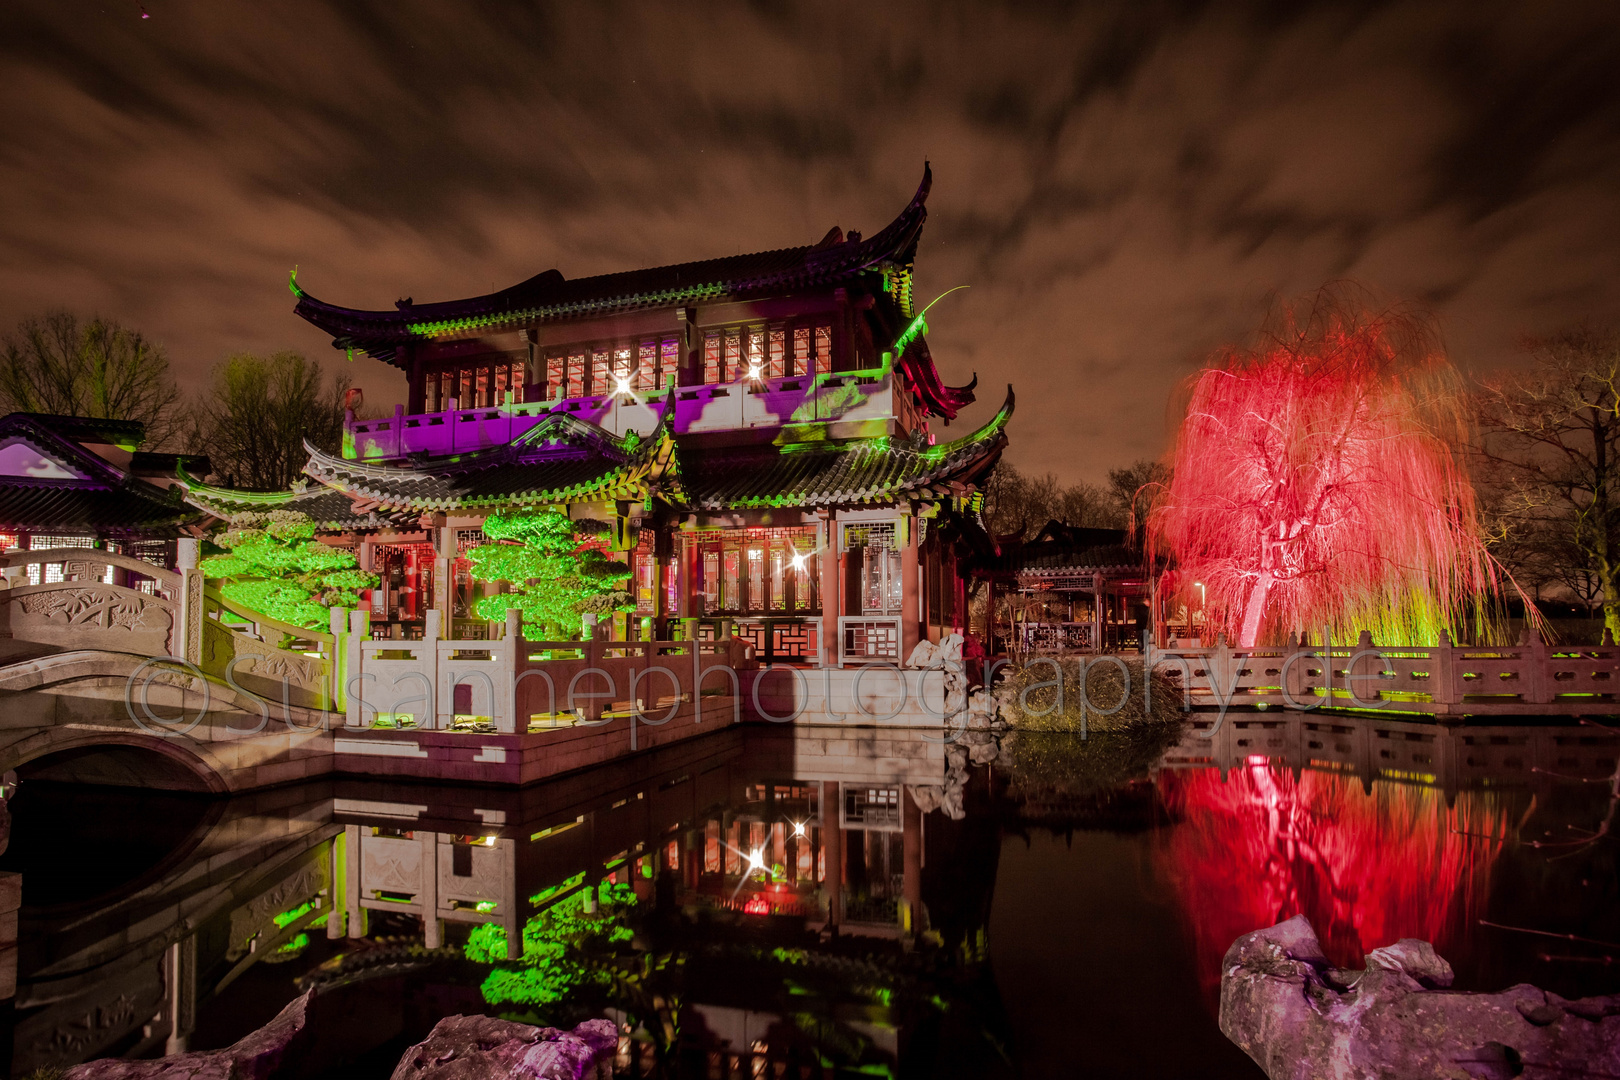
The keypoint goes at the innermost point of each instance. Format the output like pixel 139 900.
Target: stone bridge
pixel 116 671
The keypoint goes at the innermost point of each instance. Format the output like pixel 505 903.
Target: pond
pixel 767 896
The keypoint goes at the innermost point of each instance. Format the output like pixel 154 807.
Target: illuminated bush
pixel 555 576
pixel 565 949
pixel 274 565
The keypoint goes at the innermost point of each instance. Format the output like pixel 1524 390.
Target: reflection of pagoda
pixel 761 432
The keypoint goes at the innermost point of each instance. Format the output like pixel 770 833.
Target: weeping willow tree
pixel 1318 484
pixel 555 575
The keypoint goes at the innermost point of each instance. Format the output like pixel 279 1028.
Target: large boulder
pixel 1302 1019
pixel 484 1048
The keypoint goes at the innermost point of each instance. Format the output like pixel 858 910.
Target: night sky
pixel 1123 186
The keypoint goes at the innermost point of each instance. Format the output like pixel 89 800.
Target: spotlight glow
pixel 624 384
pixel 798 828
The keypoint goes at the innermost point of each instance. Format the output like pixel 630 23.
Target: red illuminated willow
pixel 1317 485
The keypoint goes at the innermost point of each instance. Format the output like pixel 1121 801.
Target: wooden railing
pixel 1530 678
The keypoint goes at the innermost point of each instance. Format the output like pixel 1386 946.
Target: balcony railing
pixel 747 403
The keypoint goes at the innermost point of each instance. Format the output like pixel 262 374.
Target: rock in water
pixel 1301 1019
pixel 482 1048
pixel 270 1053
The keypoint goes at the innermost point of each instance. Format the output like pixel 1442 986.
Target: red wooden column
pixel 911 630
pixel 911 859
pixel 832 846
pixel 832 592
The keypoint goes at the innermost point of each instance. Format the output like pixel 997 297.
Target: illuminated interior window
pixel 712 356
pixel 776 353
pixel 823 340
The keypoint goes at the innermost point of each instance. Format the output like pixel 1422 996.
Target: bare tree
pixel 258 412
pixel 1550 449
pixel 1018 505
pixel 56 364
pixel 1133 488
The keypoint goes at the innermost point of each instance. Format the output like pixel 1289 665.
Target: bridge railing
pixel 1530 678
pixel 278 661
pixel 84 610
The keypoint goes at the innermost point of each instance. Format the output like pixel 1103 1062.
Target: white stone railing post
pixel 354 668
pixel 506 681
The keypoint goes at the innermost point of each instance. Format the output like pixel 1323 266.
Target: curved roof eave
pixel 549 295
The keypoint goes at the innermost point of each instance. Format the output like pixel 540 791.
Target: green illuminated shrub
pixel 273 564
pixel 555 576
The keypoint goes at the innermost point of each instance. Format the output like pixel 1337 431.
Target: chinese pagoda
pixel 756 434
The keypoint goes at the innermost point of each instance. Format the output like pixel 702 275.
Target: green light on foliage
pixel 273 564
pixel 918 326
pixel 287 918
pixel 555 575
pixel 565 949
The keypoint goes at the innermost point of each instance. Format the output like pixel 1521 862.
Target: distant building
pixel 763 433
pixel 79 482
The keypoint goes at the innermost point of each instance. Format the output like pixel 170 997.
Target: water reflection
pixel 771 896
pixel 1368 868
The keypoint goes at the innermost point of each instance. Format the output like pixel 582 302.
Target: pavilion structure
pixel 760 436
pixel 1071 590
pixel 72 482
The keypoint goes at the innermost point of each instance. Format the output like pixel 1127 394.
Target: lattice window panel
pixel 873 535
pixel 873 807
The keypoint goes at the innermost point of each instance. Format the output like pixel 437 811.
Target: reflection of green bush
pixel 564 947
pixel 1046 764
pixel 1032 700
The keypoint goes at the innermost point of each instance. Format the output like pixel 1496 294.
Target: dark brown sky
pixel 1123 186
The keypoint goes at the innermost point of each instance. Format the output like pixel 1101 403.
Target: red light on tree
pixel 1317 482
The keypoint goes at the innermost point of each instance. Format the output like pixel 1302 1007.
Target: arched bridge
pixel 113 670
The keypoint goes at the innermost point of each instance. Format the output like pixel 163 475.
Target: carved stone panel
pixel 262 667
pixel 78 616
pixel 390 864
pixel 78 1028
pixel 490 869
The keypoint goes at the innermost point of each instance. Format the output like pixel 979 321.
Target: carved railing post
pixel 1539 674
pixel 516 655
pixel 354 686
pixel 187 642
pixel 1443 685
pixel 337 660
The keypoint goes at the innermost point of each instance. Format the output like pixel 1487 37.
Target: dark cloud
pixel 1124 185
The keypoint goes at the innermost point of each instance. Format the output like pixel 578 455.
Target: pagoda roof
pixel 551 296
pixel 861 471
pixel 326 507
pixel 49 483
pixel 561 459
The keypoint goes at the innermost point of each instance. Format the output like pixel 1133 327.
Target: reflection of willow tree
pixel 1317 482
pixel 1366 869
